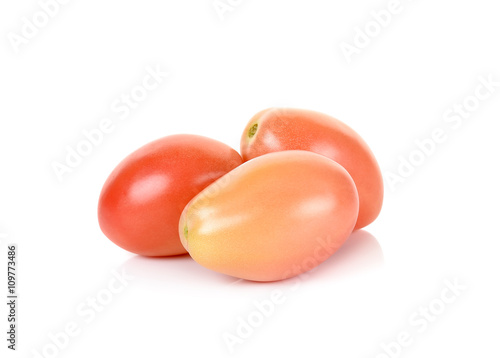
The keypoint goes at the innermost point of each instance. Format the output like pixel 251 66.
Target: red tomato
pixel 279 129
pixel 143 198
pixel 271 218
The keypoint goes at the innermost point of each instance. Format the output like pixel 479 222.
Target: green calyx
pixel 253 130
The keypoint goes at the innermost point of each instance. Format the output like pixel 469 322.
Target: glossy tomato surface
pixel 279 129
pixel 271 218
pixel 143 198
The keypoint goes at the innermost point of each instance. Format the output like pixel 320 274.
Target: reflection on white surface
pixel 361 252
pixel 174 269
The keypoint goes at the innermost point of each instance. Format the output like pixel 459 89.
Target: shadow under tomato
pixel 171 269
pixel 360 253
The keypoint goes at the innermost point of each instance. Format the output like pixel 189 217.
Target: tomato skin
pixel 279 129
pixel 142 199
pixel 271 218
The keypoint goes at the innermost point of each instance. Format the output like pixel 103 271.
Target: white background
pixel 440 224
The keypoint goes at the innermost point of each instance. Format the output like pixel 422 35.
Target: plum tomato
pixel 271 218
pixel 142 199
pixel 279 129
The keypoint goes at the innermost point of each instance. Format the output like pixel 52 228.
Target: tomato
pixel 142 200
pixel 271 218
pixel 279 129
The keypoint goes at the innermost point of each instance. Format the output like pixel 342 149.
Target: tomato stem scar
pixel 253 130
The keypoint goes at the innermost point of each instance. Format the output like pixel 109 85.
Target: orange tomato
pixel 271 218
pixel 279 129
